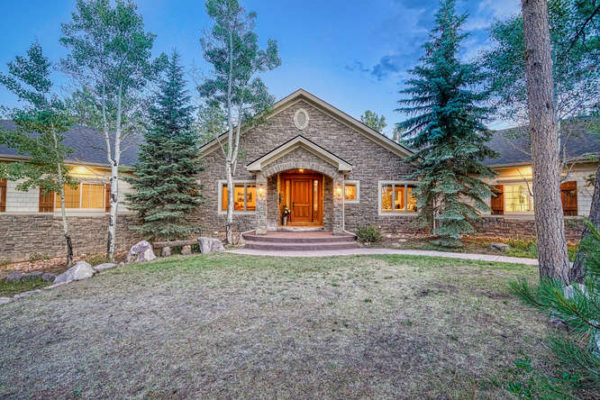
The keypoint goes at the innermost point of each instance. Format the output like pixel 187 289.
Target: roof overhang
pixel 302 143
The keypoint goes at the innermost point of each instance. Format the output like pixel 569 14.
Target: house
pixel 307 165
pixel 31 221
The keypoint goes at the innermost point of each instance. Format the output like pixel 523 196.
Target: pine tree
pixel 446 127
pixel 165 190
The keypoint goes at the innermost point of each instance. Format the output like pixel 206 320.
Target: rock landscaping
pixel 141 252
pixel 81 270
pixel 210 245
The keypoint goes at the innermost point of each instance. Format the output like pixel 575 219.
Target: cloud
pixel 357 66
pixel 499 9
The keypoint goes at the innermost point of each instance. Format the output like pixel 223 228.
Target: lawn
pixel 228 326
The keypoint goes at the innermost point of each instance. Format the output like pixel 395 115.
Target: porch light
pixel 338 190
pixel 301 170
pixel 260 191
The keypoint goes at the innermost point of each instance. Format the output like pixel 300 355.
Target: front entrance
pixel 301 198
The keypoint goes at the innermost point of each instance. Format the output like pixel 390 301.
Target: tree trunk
pixel 578 271
pixel 112 218
pixel 230 199
pixel 552 245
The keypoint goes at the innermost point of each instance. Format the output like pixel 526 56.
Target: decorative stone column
pixel 338 204
pixel 261 204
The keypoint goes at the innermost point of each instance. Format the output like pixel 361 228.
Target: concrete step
pixel 248 237
pixel 310 246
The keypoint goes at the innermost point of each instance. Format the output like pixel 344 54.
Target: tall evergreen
pixel 446 127
pixel 165 190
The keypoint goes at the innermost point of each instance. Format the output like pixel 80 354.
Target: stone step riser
pixel 274 246
pixel 291 240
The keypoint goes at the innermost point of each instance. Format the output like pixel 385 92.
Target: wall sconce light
pixel 301 170
pixel 338 190
pixel 260 191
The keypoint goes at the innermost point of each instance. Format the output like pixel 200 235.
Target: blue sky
pixel 351 53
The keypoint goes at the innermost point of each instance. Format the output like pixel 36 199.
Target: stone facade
pixel 33 236
pixel 500 226
pixel 371 163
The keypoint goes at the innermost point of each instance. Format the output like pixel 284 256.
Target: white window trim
pixel 393 213
pixel 357 184
pixel 220 184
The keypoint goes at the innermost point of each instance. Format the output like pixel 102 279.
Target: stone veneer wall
pixel 25 236
pixel 497 226
pixel 371 163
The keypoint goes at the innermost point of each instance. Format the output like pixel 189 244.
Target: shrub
pixel 97 259
pixel 578 307
pixel 368 234
pixel 523 247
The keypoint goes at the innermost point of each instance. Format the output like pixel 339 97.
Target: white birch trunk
pixel 63 211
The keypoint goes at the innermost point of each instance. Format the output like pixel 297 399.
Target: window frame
pixel 356 183
pixel 504 191
pixel 404 212
pixel 81 209
pixel 245 182
pixel 3 192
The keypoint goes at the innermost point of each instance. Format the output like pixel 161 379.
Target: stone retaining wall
pixel 29 236
pixel 525 227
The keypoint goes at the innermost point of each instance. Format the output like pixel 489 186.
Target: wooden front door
pixel 301 194
pixel 302 200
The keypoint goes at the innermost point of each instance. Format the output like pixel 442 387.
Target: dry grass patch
pixel 229 326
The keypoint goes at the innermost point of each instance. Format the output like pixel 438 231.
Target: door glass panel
pixel 251 197
pixel 398 198
pixel 386 198
pixel 315 197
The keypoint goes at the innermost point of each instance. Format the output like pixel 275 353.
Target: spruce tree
pixel 165 190
pixel 446 128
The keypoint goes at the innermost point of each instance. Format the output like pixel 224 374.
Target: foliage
pixel 9 289
pixel 368 234
pixel 40 126
pixel 111 59
pixel 165 191
pixel 529 383
pixel 447 130
pixel 373 121
pixel 97 259
pixel 234 90
pixel 578 306
pixel 575 58
pixel 523 247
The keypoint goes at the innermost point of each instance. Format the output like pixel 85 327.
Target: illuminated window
pixel 84 195
pixel 397 197
pixel 244 197
pixel 351 189
pixel 517 198
pixel 2 195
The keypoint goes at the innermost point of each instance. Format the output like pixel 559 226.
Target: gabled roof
pixel 576 138
pixel 339 115
pixel 293 144
pixel 87 144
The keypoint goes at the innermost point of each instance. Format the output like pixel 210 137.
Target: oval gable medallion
pixel 301 119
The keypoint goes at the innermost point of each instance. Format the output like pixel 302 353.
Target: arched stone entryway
pixel 268 189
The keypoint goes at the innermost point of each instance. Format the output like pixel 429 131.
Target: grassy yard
pixel 228 326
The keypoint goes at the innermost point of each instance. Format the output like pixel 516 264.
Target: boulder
pixel 141 252
pixel 210 245
pixel 81 270
pixel 166 251
pixel 4 300
pixel 14 276
pixel 104 267
pixel 32 275
pixel 499 246
pixel 186 250
pixel 48 277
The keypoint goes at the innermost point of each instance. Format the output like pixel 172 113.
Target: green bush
pixel 97 259
pixel 578 307
pixel 368 234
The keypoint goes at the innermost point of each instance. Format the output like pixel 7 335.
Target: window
pixel 244 196
pixel 351 189
pixel 46 202
pixel 517 198
pixel 2 195
pixel 396 197
pixel 84 195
